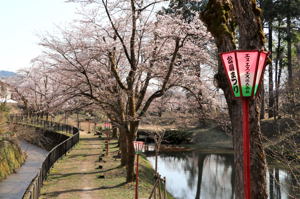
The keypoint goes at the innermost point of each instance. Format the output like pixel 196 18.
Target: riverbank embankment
pixel 15 185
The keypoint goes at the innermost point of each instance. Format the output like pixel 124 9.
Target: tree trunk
pixel 258 157
pixel 131 135
pixel 278 57
pixel 289 48
pixel 289 62
pixel 221 26
pixel 251 37
pixel 278 84
pixel 123 146
pixel 297 46
pixel 130 157
pixel 271 83
pixel 220 22
pixel 262 108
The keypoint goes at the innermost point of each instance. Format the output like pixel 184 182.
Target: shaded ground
pixel 15 185
pixel 76 176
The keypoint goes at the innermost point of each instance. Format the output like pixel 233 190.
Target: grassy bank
pixel 78 175
pixel 11 157
pixel 208 135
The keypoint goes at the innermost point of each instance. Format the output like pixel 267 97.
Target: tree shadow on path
pixel 59 175
pixel 57 193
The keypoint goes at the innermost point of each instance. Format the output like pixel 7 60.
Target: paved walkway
pixel 15 185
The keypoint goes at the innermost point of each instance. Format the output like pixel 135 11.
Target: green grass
pixel 211 136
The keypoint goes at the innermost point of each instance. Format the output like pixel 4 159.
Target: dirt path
pixel 15 185
pixel 74 176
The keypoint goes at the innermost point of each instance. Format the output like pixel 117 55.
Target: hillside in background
pixel 4 73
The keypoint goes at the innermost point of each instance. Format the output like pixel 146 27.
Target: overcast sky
pixel 20 23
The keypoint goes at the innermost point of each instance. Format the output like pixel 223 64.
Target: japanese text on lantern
pixel 244 70
pixel 232 71
pixel 247 74
pixel 247 62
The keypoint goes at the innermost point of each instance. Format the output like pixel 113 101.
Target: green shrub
pixel 178 137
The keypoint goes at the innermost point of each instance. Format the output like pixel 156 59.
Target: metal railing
pixel 33 190
pixel 42 123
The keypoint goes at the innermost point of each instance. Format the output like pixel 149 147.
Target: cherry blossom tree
pixel 122 56
pixel 35 90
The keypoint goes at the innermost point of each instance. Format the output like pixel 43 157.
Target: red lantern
pixel 138 146
pixel 244 71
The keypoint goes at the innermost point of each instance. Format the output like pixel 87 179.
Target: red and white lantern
pixel 244 70
pixel 138 146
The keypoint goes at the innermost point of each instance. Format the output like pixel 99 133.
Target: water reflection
pixel 195 175
pixel 281 185
pixel 217 170
pixel 192 175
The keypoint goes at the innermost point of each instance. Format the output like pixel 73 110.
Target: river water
pixel 194 175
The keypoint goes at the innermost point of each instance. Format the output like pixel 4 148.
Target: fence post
pixel 159 186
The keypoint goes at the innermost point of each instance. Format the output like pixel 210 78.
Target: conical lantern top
pixel 244 70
